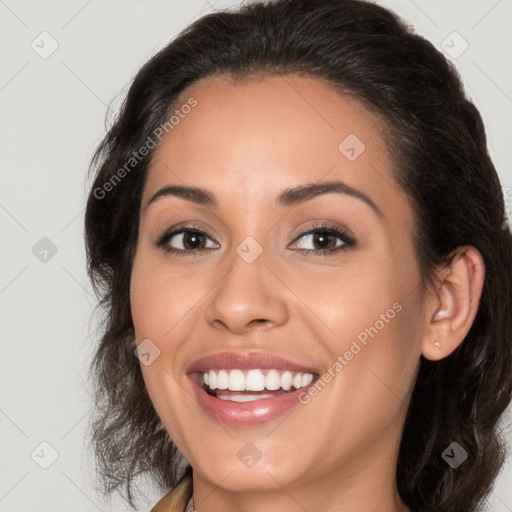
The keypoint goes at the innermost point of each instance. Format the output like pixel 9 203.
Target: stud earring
pixel 438 344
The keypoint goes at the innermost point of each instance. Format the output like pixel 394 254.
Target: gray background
pixel 52 112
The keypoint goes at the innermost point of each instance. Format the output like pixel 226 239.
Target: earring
pixel 438 344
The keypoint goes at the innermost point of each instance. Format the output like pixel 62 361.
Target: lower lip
pixel 251 413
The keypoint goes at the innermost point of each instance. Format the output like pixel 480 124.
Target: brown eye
pixel 185 240
pixel 325 240
pixel 193 240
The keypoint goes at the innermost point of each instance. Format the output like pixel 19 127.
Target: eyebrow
pixel 289 197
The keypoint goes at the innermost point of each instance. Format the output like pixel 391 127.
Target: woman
pixel 300 244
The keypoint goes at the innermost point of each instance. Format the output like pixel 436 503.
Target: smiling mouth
pixel 237 385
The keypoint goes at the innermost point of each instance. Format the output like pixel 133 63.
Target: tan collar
pixel 179 499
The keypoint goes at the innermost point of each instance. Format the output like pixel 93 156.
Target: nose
pixel 249 296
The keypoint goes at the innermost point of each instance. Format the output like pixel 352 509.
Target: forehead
pixel 262 135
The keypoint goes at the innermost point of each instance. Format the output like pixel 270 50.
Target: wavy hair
pixel 441 163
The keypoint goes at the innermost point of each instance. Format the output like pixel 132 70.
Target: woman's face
pixel 251 280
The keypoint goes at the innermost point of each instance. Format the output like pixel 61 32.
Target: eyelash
pixel 347 240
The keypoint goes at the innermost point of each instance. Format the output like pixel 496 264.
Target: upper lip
pixel 252 360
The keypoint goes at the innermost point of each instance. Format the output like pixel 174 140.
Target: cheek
pixel 388 332
pixel 144 302
pixel 158 298
pixel 156 308
pixel 356 299
pixel 373 315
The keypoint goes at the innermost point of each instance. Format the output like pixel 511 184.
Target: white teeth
pixel 286 380
pixel 236 380
pixel 222 380
pixel 273 380
pixel 256 380
pixel 307 378
pixel 244 398
pixel 212 378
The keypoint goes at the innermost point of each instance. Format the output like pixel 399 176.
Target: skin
pixel 247 142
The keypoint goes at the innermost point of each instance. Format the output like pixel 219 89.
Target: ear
pixel 452 306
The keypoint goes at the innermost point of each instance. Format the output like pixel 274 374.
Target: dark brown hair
pixel 442 165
